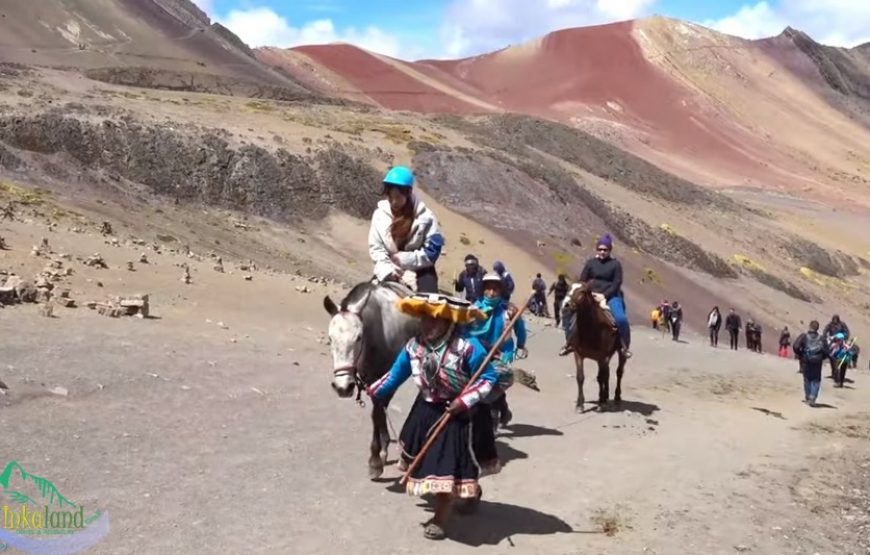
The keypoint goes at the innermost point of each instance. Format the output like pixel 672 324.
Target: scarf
pixel 489 307
pixel 434 354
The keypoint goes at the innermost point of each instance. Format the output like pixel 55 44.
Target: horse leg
pixel 385 434
pixel 620 368
pixel 578 362
pixel 376 464
pixel 603 382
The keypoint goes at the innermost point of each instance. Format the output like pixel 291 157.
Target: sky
pixel 417 29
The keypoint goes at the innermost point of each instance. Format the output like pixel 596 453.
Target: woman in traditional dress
pixel 442 361
pixel 404 237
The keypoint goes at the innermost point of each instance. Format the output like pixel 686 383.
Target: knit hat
pixel 605 241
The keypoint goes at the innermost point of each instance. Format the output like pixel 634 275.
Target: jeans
pixel 811 388
pixel 567 322
pixel 734 335
pixel 617 308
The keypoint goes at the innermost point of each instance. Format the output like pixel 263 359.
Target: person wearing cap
pixel 605 274
pixel 487 332
pixel 442 360
pixel 507 279
pixel 404 238
pixel 470 279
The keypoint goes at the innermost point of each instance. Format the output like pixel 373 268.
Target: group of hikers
pixel 466 399
pixel 455 336
pixel 811 348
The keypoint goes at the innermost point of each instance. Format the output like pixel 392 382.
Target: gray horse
pixel 366 334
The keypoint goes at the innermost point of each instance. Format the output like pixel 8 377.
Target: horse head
pixel 346 342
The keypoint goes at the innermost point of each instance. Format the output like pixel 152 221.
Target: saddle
pixel 602 302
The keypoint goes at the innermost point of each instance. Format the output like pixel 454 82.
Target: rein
pixel 353 368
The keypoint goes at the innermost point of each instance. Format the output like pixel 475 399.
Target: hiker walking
pixel 487 332
pixel 676 320
pixel 811 351
pixel 404 239
pixel 507 279
pixel 539 286
pixel 714 323
pixel 665 313
pixel 733 325
pixel 559 288
pixel 605 273
pixel 470 279
pixel 784 342
pixel 441 359
pixel 836 326
pixel 841 358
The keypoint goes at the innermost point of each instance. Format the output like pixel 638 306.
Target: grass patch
pixel 260 106
pixel 748 264
pixel 27 197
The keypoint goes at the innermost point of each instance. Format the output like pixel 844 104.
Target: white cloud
pixel 264 27
pixel 477 26
pixel 834 22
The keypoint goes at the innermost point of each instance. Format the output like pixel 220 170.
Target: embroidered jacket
pixel 461 359
pixel 422 249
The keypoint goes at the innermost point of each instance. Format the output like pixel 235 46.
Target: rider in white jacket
pixel 404 238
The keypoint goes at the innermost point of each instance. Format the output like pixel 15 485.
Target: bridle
pixel 353 371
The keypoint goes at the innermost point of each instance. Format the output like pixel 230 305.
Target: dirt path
pixel 202 439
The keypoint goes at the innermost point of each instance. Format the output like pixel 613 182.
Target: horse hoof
pixel 578 408
pixel 375 472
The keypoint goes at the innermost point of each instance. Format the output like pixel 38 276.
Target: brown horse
pixel 594 336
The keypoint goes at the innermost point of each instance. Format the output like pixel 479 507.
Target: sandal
pixel 433 531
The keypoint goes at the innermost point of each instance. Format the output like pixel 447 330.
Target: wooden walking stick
pixel 442 422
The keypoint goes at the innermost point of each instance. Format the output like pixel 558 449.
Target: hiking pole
pixel 442 422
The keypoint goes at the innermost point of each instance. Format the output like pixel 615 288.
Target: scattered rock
pixel 219 265
pixel 3 245
pixel 130 266
pixel 60 391
pixel 106 229
pixel 249 277
pixel 185 277
pixel 303 289
pixel 143 258
pixel 96 261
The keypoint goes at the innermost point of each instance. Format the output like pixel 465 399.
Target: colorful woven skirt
pixel 449 465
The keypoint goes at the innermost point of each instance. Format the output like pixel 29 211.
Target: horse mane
pixel 356 295
pixel 593 335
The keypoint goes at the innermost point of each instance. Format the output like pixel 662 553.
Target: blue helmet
pixel 399 176
pixel 840 335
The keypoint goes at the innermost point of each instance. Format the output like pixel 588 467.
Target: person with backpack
pixel 714 323
pixel 676 320
pixel 811 350
pixel 559 288
pixel 733 325
pixel 784 342
pixel 539 286
pixel 507 280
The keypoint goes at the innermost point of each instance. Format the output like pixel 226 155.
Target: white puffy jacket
pixel 422 249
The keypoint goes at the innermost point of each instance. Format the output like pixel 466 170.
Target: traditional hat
pixel 456 310
pixel 490 276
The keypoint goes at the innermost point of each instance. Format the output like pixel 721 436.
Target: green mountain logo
pixel 35 517
pixel 23 487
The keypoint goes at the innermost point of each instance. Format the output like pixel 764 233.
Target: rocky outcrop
pixel 203 167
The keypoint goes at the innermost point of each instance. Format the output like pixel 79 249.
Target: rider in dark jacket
pixel 605 276
pixel 836 326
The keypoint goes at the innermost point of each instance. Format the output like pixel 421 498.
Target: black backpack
pixel 814 348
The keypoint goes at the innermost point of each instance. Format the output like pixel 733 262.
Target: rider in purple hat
pixel 605 274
